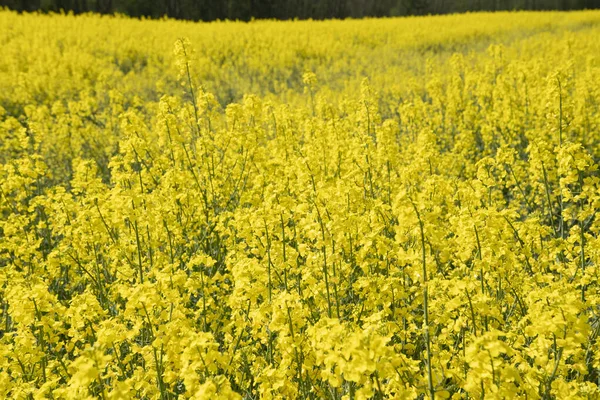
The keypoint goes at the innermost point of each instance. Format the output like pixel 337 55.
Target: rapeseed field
pixel 394 208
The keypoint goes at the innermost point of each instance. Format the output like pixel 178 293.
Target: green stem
pixel 425 306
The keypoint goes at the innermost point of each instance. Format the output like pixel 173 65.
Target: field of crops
pixel 396 208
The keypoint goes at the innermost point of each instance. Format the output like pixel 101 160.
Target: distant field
pixel 393 208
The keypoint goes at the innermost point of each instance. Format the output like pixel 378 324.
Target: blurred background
pixel 210 10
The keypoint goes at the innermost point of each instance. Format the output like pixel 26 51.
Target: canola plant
pixel 396 208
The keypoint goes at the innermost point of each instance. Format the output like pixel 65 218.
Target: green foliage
pixel 210 10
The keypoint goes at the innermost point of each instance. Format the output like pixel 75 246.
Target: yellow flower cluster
pixel 397 208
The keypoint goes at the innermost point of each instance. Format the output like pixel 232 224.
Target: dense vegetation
pixel 397 208
pixel 209 10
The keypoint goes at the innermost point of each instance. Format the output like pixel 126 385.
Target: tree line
pixel 209 10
